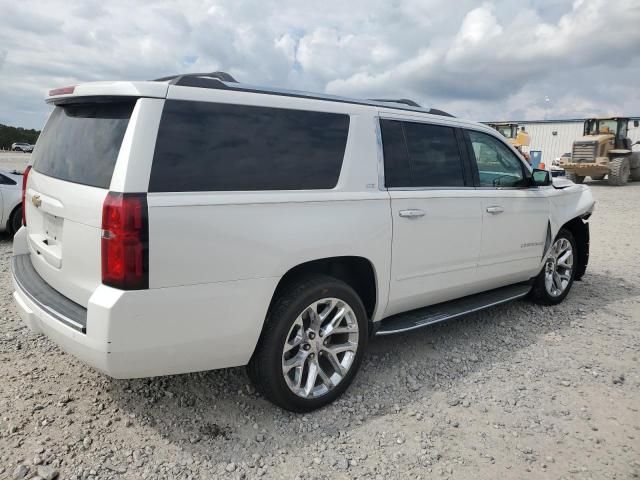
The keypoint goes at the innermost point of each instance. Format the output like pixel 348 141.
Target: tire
pixel 546 293
pixel 597 177
pixel 15 220
pixel 574 178
pixel 619 171
pixel 289 322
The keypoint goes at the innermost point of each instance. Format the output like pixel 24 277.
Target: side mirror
pixel 541 178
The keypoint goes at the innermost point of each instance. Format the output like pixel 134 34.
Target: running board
pixel 404 322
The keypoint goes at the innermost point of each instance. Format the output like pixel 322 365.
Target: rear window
pixel 434 155
pixel 80 142
pixel 222 147
pixel 420 155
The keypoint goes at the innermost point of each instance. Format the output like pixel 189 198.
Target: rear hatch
pixel 73 163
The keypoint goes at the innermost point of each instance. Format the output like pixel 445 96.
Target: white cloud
pixel 498 59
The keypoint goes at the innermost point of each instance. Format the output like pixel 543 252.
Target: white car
pixel 10 201
pixel 22 147
pixel 194 223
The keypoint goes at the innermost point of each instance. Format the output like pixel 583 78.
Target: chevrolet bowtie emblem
pixel 36 201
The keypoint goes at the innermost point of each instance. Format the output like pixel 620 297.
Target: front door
pixel 515 215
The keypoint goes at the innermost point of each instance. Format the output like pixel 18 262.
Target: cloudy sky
pixel 500 59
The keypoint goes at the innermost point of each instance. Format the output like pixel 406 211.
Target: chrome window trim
pixel 417 189
pixel 535 187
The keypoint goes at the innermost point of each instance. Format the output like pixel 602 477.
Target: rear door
pixel 436 216
pixel 73 164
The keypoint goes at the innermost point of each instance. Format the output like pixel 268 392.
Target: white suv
pixel 22 147
pixel 194 223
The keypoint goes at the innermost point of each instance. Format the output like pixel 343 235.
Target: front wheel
pixel 312 344
pixel 553 283
pixel 620 171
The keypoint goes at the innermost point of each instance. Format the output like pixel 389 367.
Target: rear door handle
pixel 411 213
pixel 495 209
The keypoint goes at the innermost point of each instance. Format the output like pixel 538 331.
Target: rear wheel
pixel 619 171
pixel 312 344
pixel 553 283
pixel 574 177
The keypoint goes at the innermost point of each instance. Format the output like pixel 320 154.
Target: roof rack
pixel 404 101
pixel 178 79
pixel 224 81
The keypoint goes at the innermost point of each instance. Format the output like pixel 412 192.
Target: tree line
pixel 9 135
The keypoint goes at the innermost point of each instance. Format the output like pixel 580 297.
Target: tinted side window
pixel 434 155
pixel 498 166
pixel 6 180
pixel 396 157
pixel 221 147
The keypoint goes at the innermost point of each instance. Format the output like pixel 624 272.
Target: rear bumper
pixel 44 296
pixel 159 331
pixel 91 351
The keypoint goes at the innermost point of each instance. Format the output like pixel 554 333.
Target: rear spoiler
pixel 108 89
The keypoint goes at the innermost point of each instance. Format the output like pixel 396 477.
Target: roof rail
pixel 224 81
pixel 404 101
pixel 437 111
pixel 185 77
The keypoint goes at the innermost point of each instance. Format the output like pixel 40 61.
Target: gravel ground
pixel 518 391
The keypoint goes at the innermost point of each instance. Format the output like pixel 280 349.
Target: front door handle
pixel 412 213
pixel 495 209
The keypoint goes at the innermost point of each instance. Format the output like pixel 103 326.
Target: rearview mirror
pixel 541 178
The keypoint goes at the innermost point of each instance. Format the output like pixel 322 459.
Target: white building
pixel 555 137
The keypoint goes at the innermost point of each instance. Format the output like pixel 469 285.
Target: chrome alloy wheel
pixel 559 267
pixel 320 348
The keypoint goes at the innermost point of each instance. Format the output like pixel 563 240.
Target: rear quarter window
pixel 80 142
pixel 223 147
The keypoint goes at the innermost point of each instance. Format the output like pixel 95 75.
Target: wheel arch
pixel 357 272
pixel 579 228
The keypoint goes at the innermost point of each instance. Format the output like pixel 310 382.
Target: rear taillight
pixel 25 175
pixel 125 241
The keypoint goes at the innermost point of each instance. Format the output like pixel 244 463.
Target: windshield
pixel 603 127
